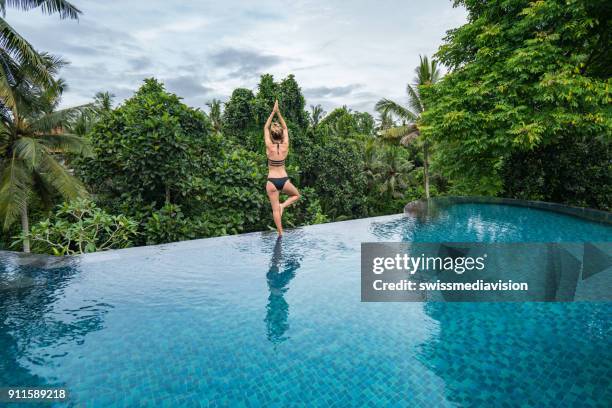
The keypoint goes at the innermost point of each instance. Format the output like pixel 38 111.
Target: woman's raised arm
pixel 268 123
pixel 282 122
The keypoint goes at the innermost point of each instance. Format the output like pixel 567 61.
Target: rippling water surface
pixel 252 321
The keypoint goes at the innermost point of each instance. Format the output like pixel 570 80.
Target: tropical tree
pixel 292 102
pixel 345 123
pixel 91 114
pixel 316 114
pixel 215 115
pixel 103 102
pixel 238 115
pixel 427 73
pixel 32 141
pixel 267 93
pixel 16 51
pixel 150 148
pixel 528 88
pixel 392 168
pixel 385 122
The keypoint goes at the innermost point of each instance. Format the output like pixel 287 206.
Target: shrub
pixel 79 227
pixel 152 146
pixel 335 171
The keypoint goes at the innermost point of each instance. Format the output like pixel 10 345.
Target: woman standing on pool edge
pixel 276 137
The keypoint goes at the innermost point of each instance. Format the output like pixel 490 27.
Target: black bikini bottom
pixel 279 183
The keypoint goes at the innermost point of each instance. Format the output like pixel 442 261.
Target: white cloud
pixel 188 25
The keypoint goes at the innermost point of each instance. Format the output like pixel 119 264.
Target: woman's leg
pixel 293 194
pixel 273 195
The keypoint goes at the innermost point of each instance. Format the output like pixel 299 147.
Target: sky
pixel 341 52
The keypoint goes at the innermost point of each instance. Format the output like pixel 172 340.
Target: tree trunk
pixel 167 195
pixel 25 228
pixel 426 168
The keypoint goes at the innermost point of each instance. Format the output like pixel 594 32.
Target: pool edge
pixel 590 214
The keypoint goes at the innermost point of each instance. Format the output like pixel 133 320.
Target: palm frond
pixel 15 190
pixel 103 101
pixel 61 7
pixel 5 141
pixel 29 151
pixel 6 92
pixel 54 120
pixel 56 175
pixel 23 52
pixel 398 132
pixel 414 99
pixel 66 143
pixel 408 139
pixel 389 106
pixel 426 72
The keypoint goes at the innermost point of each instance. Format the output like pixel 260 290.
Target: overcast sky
pixel 341 52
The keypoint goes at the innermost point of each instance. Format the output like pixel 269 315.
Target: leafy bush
pixel 524 75
pixel 239 115
pixel 79 227
pixel 168 225
pixel 335 171
pixel 574 171
pixel 152 147
pixel 306 211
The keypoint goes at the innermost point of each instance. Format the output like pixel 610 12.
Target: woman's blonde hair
pixel 276 132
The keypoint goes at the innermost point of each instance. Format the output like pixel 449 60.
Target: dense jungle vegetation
pixel 523 111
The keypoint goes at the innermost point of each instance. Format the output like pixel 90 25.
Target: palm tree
pixel 91 114
pixel 393 169
pixel 15 51
pixel 385 122
pixel 32 141
pixel 103 102
pixel 370 161
pixel 215 115
pixel 427 73
pixel 316 114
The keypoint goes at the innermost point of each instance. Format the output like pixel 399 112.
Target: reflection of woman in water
pixel 281 271
pixel 276 137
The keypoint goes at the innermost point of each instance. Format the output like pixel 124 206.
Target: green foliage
pixel 17 56
pixel 233 189
pixel 342 122
pixel 525 75
pixel 238 114
pixel 556 172
pixel 215 115
pixel 292 102
pixel 181 176
pixel 307 211
pixel 408 133
pixel 335 171
pixel 267 93
pixel 32 149
pixel 150 147
pixel 315 115
pixel 168 224
pixel 79 227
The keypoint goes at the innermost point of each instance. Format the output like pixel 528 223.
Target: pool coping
pixel 48 261
pixel 420 206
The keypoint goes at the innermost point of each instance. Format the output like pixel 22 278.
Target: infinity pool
pixel 251 321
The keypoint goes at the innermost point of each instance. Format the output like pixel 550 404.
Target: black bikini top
pixel 276 163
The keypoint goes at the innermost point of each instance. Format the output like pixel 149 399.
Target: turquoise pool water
pixel 251 321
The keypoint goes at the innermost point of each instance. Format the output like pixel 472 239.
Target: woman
pixel 276 137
